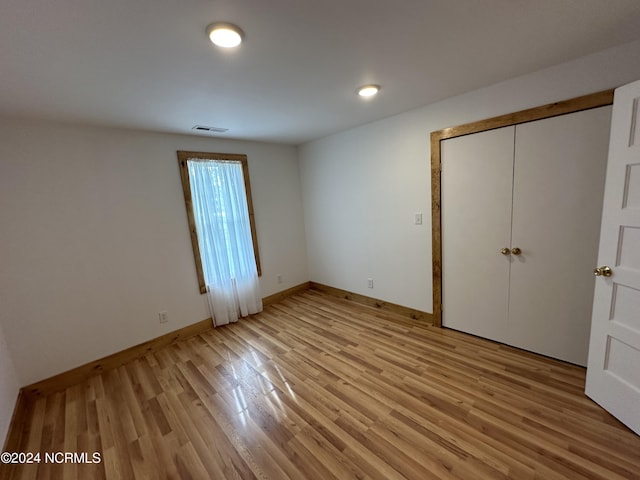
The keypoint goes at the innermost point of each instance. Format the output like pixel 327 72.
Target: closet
pixel 520 221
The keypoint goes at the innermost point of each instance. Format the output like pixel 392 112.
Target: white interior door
pixel 476 224
pixel 559 176
pixel 613 372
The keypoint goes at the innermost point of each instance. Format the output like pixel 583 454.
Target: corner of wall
pixel 9 386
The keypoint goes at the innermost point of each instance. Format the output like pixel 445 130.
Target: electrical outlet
pixel 163 316
pixel 417 219
pixel 370 282
pixel 279 278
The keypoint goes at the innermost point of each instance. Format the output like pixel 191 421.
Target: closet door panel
pixel 559 172
pixel 476 189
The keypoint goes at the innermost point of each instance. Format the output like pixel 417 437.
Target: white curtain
pixel 224 236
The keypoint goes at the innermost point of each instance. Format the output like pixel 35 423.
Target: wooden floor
pixel 318 388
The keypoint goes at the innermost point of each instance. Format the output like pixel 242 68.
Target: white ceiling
pixel 149 64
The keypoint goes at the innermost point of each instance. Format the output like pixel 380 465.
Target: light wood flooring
pixel 316 387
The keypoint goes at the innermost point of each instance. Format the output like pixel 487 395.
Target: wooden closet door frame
pixel 578 104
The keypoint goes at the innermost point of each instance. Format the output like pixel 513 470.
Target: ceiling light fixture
pixel 368 90
pixel 226 35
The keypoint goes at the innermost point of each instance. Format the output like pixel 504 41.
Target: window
pixel 205 179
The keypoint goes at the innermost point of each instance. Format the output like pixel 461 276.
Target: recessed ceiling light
pixel 368 90
pixel 225 35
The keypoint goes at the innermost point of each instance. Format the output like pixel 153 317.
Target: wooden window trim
pixel 578 104
pixel 183 157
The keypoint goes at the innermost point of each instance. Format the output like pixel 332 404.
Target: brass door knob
pixel 516 251
pixel 505 251
pixel 603 271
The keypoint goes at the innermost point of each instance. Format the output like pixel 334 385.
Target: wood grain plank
pixel 319 387
pixel 76 375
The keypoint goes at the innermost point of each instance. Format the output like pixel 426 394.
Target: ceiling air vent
pixel 204 128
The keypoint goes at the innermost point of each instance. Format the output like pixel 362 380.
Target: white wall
pixel 9 387
pixel 94 238
pixel 361 187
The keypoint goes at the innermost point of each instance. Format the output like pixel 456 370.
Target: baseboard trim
pixel 76 375
pixel 63 380
pixel 374 302
pixel 276 297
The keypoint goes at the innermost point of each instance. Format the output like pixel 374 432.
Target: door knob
pixel 603 271
pixel 516 251
pixel 505 251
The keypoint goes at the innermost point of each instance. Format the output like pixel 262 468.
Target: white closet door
pixel 559 173
pixel 476 189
